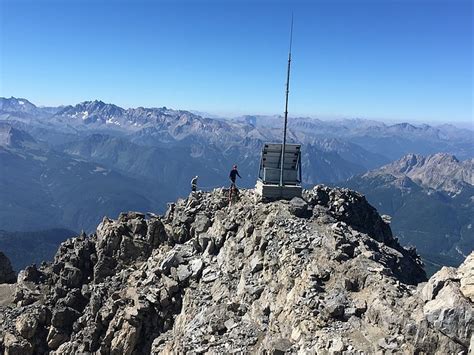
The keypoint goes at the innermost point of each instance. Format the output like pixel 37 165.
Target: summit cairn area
pixel 318 274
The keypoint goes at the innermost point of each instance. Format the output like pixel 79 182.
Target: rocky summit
pixel 322 274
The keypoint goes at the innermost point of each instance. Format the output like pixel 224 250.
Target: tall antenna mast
pixel 286 106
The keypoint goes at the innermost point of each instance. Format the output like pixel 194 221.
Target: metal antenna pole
pixel 286 106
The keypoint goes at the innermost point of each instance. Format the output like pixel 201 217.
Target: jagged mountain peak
pixel 404 125
pixel 442 158
pixel 319 274
pixel 92 111
pixel 420 160
pixel 440 171
pixel 407 163
pixel 108 116
pixel 408 127
pixel 14 104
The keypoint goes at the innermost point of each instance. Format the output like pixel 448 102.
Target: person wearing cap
pixel 194 183
pixel 233 174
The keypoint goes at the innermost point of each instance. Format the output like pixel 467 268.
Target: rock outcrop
pixel 7 275
pixel 441 171
pixel 430 201
pixel 318 275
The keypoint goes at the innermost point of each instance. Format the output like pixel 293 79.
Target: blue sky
pixel 382 59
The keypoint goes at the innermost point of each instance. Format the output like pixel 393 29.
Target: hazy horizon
pixel 217 115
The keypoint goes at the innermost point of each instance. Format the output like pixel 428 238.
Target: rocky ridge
pixel 440 171
pixel 430 201
pixel 322 274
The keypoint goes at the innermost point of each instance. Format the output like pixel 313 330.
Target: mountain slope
pixel 246 278
pixel 391 140
pixel 351 152
pixel 18 107
pixel 430 202
pixel 439 171
pixel 42 189
pixel 177 162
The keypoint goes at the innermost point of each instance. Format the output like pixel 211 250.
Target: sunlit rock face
pixel 323 275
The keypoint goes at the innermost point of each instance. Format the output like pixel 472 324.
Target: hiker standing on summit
pixel 233 175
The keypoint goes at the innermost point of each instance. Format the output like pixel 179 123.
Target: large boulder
pixel 449 304
pixel 466 276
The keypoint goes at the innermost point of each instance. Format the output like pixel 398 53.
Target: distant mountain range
pixel 431 202
pixel 67 166
pixel 163 125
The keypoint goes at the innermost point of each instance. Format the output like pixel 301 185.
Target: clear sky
pixel 386 59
